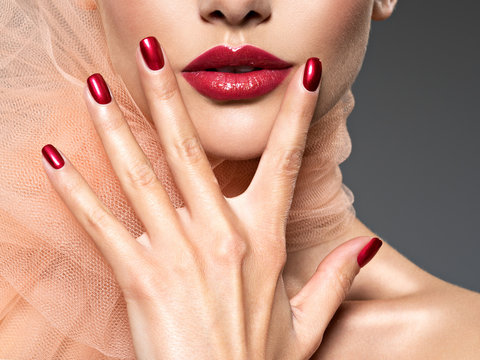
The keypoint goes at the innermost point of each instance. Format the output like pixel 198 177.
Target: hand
pixel 205 281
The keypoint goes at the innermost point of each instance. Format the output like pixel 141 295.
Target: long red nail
pixel 51 154
pixel 312 73
pixel 99 89
pixel 369 251
pixel 152 53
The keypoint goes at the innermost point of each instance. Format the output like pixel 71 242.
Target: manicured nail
pixel 51 154
pixel 99 89
pixel 152 53
pixel 369 251
pixel 312 73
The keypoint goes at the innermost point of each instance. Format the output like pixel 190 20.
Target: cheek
pixel 337 32
pixel 333 26
pixel 121 19
pixel 127 19
pixel 126 22
pixel 347 28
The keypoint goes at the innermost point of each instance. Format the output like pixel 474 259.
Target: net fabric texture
pixel 58 297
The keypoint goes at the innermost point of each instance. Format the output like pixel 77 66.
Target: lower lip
pixel 235 86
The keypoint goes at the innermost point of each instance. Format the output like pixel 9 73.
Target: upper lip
pixel 246 55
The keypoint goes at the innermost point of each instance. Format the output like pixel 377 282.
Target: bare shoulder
pixel 442 322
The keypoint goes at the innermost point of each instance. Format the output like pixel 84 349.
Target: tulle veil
pixel 58 296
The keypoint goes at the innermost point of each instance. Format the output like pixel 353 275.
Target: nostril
pixel 234 15
pixel 217 14
pixel 251 15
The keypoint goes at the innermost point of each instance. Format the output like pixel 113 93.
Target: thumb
pixel 316 303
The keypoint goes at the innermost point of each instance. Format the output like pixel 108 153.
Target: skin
pixel 205 281
pixel 394 309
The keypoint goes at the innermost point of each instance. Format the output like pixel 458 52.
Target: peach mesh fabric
pixel 58 297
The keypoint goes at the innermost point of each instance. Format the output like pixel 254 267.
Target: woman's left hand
pixel 205 281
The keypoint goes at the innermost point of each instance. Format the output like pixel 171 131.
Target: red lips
pixel 219 72
pixel 247 55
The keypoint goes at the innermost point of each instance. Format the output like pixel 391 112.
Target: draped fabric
pixel 58 296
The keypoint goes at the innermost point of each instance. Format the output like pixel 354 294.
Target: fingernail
pixel 152 53
pixel 369 251
pixel 51 154
pixel 99 89
pixel 312 74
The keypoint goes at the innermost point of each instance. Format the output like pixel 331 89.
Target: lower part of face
pixel 334 31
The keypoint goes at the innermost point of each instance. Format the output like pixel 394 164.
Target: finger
pixel 140 183
pixel 186 158
pixel 113 240
pixel 273 184
pixel 317 302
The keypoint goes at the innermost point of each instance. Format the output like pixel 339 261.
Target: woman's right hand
pixel 205 281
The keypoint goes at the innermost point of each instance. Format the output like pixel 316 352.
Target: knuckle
pixel 98 218
pixel 185 265
pixel 113 122
pixel 142 286
pixel 231 249
pixel 145 281
pixel 290 160
pixel 189 150
pixel 165 91
pixel 140 174
pixel 340 282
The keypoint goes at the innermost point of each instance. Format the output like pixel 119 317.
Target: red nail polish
pixel 369 251
pixel 152 53
pixel 51 154
pixel 312 74
pixel 99 89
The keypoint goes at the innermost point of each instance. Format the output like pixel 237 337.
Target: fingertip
pixel 144 71
pixel 99 89
pixel 369 251
pixel 151 53
pixel 52 157
pixel 87 96
pixel 312 74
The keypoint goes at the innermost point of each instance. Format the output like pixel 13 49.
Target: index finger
pixel 273 184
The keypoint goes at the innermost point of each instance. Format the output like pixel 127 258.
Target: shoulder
pixel 440 323
pixel 455 329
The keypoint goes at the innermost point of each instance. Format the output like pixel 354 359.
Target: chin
pixel 243 138
pixel 234 130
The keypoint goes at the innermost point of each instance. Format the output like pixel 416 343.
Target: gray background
pixel 414 167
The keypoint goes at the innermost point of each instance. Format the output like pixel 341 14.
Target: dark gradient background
pixel 414 167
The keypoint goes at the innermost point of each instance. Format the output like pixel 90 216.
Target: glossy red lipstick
pixel 227 73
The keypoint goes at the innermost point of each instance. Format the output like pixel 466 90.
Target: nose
pixel 235 12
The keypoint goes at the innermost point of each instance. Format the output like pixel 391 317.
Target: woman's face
pixel 336 31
